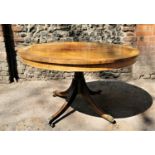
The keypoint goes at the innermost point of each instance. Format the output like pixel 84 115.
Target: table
pixel 78 57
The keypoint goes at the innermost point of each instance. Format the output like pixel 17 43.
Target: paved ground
pixel 28 105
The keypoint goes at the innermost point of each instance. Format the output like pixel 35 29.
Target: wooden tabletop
pixel 78 56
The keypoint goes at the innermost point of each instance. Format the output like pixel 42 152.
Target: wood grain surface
pixel 77 53
pixel 78 56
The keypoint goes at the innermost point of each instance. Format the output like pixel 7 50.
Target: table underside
pixel 80 68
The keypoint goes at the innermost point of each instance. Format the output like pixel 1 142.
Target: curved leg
pixel 95 107
pixel 78 85
pixel 62 94
pixel 65 93
pixel 64 107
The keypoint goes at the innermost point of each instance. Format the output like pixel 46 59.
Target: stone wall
pixel 145 66
pixel 27 34
pixel 4 72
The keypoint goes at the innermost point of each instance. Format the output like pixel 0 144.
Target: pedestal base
pixel 78 85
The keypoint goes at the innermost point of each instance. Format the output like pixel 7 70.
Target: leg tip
pixel 54 94
pixel 52 124
pixel 114 122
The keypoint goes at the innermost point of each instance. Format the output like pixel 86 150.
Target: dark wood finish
pixel 79 85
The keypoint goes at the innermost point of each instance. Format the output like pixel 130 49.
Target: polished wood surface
pixel 77 53
pixel 78 56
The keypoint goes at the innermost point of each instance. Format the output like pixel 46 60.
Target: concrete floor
pixel 28 105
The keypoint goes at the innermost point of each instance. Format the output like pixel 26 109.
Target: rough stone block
pixel 5 78
pixel 3 56
pixel 4 73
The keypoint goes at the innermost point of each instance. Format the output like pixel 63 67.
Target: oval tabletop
pixel 78 56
